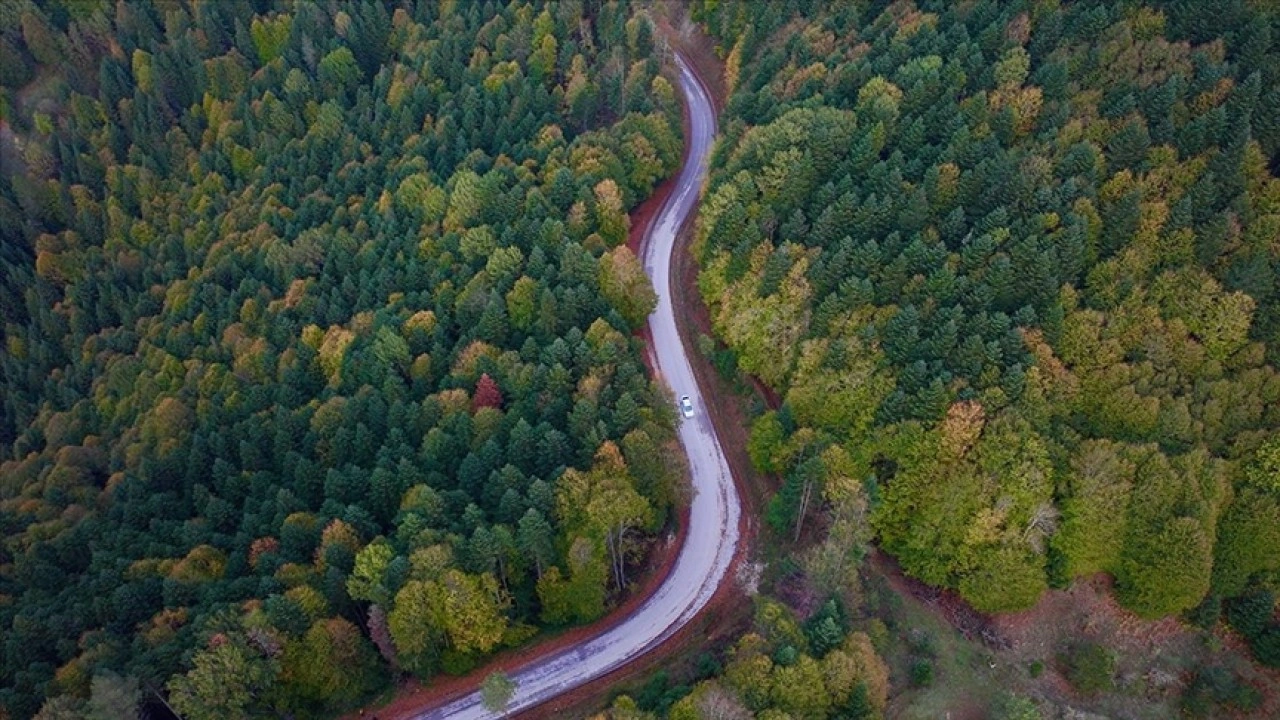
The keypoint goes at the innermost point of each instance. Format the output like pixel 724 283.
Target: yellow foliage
pixel 420 499
pixel 1117 186
pixel 202 564
pixel 501 72
pixel 55 267
pixel 576 222
pixel 294 295
pixel 293 574
pixel 249 362
pixel 841 399
pixel 1026 103
pixel 312 336
pixel 453 400
pixel 733 66
pixel 1059 382
pixel 469 610
pixel 421 367
pixel 486 422
pixel 589 387
pixel 149 567
pixel 987 526
pixel 15 345
pixel 328 417
pixel 430 562
pixel 304 520
pixel 361 323
pixel 613 222
pixel 548 137
pixel 878 87
pixel 470 355
pixel 332 351
pixel 142 70
pixel 423 321
pixel 765 331
pixel 871 669
pixel 962 427
pixel 73 678
pixel 816 72
pixel 310 600
pixel 164 626
pixel 910 20
pixel 1215 96
pixel 339 531
pixel 602 335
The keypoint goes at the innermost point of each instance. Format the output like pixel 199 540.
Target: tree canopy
pixel 1018 261
pixel 312 313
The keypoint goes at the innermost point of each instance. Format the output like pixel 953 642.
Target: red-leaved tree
pixel 487 393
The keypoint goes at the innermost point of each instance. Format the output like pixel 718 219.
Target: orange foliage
pixel 164 625
pixel 260 547
pixel 962 426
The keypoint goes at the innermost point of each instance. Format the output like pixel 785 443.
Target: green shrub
pixel 1090 667
pixel 1266 646
pixel 1250 613
pixel 786 656
pixel 922 642
pixel 922 673
pixel 857 707
pixel 1206 614
pixel 1216 688
pixel 1016 707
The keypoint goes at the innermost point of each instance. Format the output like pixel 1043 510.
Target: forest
pixel 321 361
pixel 318 361
pixel 1013 269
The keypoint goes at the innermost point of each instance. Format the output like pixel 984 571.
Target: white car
pixel 686 406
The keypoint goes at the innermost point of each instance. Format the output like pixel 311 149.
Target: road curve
pixel 712 535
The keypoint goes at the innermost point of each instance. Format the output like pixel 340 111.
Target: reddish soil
pixel 1159 654
pixel 1091 609
pixel 944 603
pixel 644 213
pixel 1156 658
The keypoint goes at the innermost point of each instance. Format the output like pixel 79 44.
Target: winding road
pixel 712 535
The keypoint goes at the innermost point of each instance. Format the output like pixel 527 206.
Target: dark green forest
pixel 318 354
pixel 1012 268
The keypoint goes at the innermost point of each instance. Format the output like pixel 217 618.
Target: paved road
pixel 713 520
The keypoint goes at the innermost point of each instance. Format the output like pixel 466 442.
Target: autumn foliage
pixel 487 394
